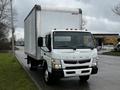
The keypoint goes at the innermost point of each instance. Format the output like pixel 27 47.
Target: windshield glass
pixel 72 40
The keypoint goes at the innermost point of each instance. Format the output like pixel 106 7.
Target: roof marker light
pixel 66 28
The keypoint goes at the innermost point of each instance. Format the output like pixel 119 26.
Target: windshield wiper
pixel 82 46
pixel 91 47
pixel 71 47
pixel 75 47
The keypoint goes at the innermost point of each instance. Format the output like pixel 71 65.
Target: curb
pixel 38 86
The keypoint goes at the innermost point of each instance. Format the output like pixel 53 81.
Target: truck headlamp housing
pixel 56 64
pixel 95 61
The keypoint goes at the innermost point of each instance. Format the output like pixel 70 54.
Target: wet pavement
pixel 108 77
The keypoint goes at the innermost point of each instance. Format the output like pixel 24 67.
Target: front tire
pixel 84 78
pixel 47 77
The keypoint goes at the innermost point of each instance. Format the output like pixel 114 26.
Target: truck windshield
pixel 72 40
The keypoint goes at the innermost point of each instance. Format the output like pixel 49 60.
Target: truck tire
pixel 33 63
pixel 33 66
pixel 84 78
pixel 47 77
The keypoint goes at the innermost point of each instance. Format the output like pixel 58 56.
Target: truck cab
pixel 69 53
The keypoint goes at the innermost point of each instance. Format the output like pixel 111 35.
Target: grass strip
pixel 12 75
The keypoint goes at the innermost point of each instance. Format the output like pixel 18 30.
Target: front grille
pixel 76 61
pixel 84 61
pixel 70 62
pixel 77 67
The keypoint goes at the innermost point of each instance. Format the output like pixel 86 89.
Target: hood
pixel 70 54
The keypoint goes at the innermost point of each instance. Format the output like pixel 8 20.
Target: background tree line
pixel 5 24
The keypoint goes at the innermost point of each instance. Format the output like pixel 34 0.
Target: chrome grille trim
pixel 76 61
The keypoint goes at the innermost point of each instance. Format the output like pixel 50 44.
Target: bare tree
pixel 4 44
pixel 5 12
pixel 3 31
pixel 116 9
pixel 5 17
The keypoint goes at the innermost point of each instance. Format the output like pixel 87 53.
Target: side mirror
pixel 40 41
pixel 48 42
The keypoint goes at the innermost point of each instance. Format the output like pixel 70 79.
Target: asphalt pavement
pixel 108 77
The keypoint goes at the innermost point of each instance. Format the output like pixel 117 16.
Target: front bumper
pixel 77 72
pixel 59 73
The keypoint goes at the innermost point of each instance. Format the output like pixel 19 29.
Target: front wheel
pixel 47 77
pixel 84 78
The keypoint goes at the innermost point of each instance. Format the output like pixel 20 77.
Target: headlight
pixel 56 64
pixel 95 61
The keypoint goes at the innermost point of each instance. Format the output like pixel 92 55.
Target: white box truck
pixel 55 41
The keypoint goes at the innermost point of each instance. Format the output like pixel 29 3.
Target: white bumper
pixel 77 72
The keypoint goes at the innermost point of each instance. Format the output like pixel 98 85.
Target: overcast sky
pixel 97 13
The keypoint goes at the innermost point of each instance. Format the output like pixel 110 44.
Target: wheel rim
pixel 46 75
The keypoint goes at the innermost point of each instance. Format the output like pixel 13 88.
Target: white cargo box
pixel 42 20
